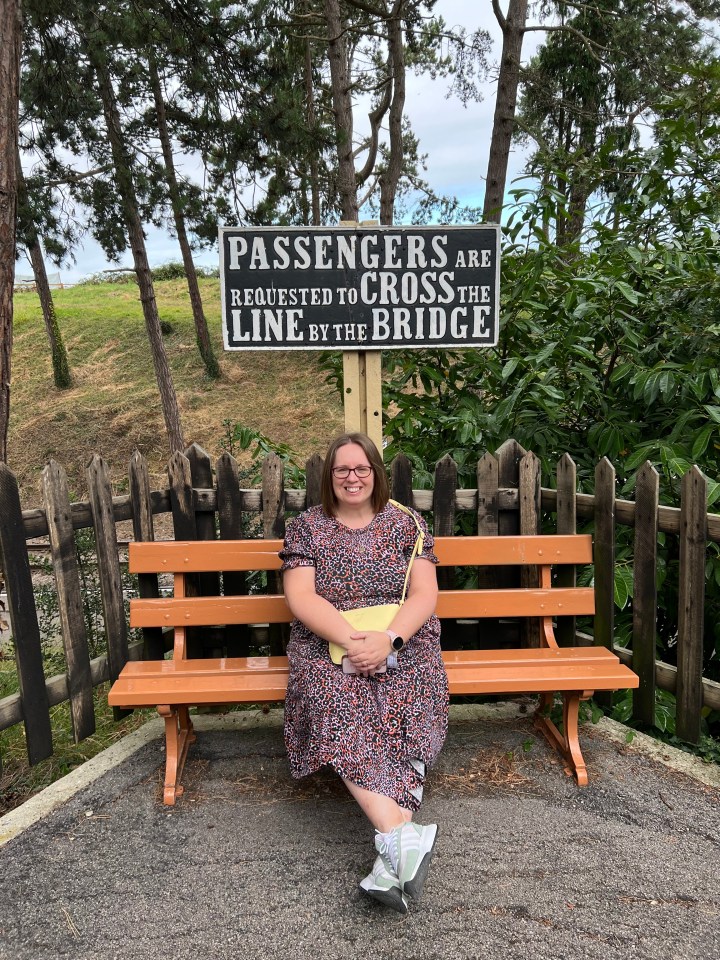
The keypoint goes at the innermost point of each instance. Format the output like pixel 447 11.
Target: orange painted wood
pixel 476 659
pixel 208 611
pixel 516 602
pixel 264 679
pixel 204 556
pixel 259 608
pixel 514 551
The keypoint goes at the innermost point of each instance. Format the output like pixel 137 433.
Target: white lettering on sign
pixel 330 251
pixel 267 326
pixel 403 324
pixel 238 249
pixel 480 328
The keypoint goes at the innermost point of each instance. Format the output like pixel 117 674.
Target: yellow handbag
pixel 381 616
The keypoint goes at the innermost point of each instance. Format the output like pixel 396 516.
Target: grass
pixel 19 781
pixel 113 406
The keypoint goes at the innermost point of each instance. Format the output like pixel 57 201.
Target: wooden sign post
pixel 362 379
pixel 362 382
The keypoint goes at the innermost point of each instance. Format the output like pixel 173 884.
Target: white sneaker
pixel 409 849
pixel 382 884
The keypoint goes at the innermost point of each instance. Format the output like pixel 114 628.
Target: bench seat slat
pixel 264 679
pixel 538 678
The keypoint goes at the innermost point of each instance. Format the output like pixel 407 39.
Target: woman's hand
pixel 368 651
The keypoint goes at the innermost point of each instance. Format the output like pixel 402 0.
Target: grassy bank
pixel 113 405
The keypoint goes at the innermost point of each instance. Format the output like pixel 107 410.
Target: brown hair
pixel 381 489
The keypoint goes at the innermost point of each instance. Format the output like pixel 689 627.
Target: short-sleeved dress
pixel 378 731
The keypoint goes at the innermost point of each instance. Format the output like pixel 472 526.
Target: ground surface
pixel 250 864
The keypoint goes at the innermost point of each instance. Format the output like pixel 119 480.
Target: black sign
pixel 364 288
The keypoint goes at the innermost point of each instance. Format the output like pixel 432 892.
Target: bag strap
pixel 417 549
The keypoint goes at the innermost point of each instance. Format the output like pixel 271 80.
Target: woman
pixel 381 724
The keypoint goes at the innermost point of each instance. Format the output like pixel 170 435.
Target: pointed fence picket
pixel 207 501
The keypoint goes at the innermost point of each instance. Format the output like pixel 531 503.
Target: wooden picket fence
pixel 205 503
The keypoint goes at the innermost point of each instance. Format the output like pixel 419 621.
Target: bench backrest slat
pixel 208 611
pixel 258 608
pixel 514 551
pixel 201 556
pixel 204 556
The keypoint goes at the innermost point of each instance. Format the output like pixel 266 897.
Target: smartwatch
pixel 396 641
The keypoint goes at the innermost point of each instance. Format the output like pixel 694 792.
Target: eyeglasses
pixel 342 473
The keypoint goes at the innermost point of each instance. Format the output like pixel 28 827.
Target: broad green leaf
pixel 509 367
pixel 700 443
pixel 627 291
pixel 622 585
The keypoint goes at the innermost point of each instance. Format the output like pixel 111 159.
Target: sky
pixel 456 139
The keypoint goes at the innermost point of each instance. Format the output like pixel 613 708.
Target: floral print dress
pixel 377 732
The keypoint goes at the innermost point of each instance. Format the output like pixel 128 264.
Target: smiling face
pixel 353 492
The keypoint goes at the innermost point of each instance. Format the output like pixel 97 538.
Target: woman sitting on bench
pixel 378 716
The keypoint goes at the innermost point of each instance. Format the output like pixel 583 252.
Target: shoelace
pixel 389 846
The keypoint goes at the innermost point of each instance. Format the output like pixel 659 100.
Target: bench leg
pixel 567 743
pixel 178 737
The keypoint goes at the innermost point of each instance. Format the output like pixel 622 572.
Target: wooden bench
pixel 173 686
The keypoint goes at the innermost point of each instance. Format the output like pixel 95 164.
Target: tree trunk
pixel 201 328
pixel 342 110
pixel 11 33
pixel 61 368
pixel 311 120
pixel 513 28
pixel 126 189
pixel 390 179
pixel 581 185
pixel 30 239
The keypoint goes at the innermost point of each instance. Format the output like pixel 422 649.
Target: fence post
pixel 529 494
pixel 444 490
pixel 566 512
pixel 647 494
pixel 693 537
pixel 229 509
pixel 69 595
pixel 529 520
pixel 487 506
pixel 181 497
pixel 509 456
pixel 313 480
pixel 202 479
pixel 23 618
pixel 273 514
pixel 401 480
pixel 143 531
pixel 604 554
pixel 487 513
pixel 185 528
pixel 100 493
